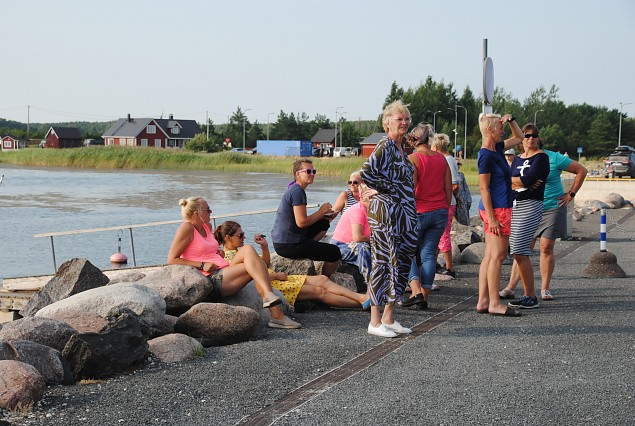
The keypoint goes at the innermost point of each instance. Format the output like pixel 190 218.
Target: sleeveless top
pixel 204 249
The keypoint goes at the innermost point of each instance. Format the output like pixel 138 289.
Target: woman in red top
pixel 194 245
pixel 433 194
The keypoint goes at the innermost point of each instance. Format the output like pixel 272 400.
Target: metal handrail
pixel 51 235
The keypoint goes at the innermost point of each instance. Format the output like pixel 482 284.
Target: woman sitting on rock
pixel 294 287
pixel 195 245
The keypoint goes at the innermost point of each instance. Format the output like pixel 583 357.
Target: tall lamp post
pixel 268 115
pixel 535 118
pixel 434 120
pixel 619 135
pixel 455 125
pixel 336 112
pixel 465 133
pixel 244 117
pixel 342 127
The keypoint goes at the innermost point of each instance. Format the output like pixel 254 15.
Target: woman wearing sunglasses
pixel 350 196
pixel 294 287
pixel 296 234
pixel 195 245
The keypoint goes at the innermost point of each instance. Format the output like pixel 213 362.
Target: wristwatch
pixel 571 194
pixel 512 118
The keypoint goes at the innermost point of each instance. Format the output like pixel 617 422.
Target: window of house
pixel 157 143
pixel 144 142
pixel 176 130
pixel 152 129
pixel 110 141
pixel 7 144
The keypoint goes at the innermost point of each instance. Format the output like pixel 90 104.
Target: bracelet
pixel 571 194
pixel 202 266
pixel 512 118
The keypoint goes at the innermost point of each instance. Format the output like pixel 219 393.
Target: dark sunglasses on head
pixel 353 182
pixel 309 171
pixel 531 135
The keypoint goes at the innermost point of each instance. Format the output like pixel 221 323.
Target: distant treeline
pixel 564 128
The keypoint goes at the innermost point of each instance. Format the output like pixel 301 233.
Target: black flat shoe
pixel 415 300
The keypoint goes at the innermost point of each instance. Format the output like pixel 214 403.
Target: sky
pixel 99 60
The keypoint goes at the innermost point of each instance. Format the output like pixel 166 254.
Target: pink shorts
pixel 445 243
pixel 504 217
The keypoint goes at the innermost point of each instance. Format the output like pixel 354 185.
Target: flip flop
pixel 482 311
pixel 509 312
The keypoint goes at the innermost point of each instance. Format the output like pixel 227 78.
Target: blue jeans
pixel 430 227
pixel 357 254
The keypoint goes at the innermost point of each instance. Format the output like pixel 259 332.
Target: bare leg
pixel 375 316
pixel 310 292
pixel 526 271
pixel 514 277
pixel 547 261
pixel 483 294
pixel 415 286
pixel 498 252
pixel 447 255
pixel 330 287
pixel 329 267
pixel 388 317
pixel 246 265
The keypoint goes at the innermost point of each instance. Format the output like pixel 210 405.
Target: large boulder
pixel 116 347
pixel 463 235
pixel 614 201
pixel 126 277
pixel 180 286
pixel 473 254
pixel 145 302
pixel 352 270
pixel 293 266
pixel 218 324
pixel 74 276
pixel 248 297
pixel 175 347
pixel 45 331
pixel 47 361
pixel 21 385
pixel 345 280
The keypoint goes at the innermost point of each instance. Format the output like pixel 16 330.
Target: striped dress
pixel 392 216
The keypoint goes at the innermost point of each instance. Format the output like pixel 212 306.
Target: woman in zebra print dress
pixel 392 216
pixel 529 177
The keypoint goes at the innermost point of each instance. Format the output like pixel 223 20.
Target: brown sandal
pixel 509 312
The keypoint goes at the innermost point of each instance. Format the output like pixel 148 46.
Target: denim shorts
pixel 216 282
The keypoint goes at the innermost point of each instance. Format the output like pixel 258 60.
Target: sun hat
pixel 510 151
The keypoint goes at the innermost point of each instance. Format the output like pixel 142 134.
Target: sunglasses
pixel 531 135
pixel 241 235
pixel 353 182
pixel 209 211
pixel 309 171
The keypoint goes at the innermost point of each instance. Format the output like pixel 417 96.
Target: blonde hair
pixel 392 109
pixel 190 206
pixel 440 141
pixel 488 121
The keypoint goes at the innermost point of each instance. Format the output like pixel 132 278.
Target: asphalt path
pixel 570 361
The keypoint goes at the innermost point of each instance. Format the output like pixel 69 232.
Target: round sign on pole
pixel 488 80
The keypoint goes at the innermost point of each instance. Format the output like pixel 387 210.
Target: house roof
pixel 373 139
pixel 324 136
pixel 65 132
pixel 188 128
pixel 132 127
pixel 127 127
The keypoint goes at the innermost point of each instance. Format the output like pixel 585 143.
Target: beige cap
pixel 510 151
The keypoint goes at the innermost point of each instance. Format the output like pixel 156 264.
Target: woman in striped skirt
pixel 392 217
pixel 529 176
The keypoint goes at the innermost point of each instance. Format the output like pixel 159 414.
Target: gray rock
pixel 45 331
pixel 74 276
pixel 127 277
pixel 463 235
pixel 248 297
pixel 616 201
pixel 180 286
pixel 218 324
pixel 82 322
pixel 145 302
pixel 21 385
pixel 358 278
pixel 293 266
pixel 603 265
pixel 456 255
pixel 345 280
pixel 473 254
pixel 175 347
pixel 113 349
pixel 47 361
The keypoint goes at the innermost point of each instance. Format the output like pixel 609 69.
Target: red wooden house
pixel 63 137
pixel 151 132
pixel 9 143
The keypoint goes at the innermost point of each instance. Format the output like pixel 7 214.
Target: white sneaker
pixel 397 328
pixel 381 331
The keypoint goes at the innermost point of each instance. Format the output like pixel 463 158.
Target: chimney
pixel 129 119
pixel 171 117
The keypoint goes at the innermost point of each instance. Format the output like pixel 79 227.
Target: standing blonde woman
pixel 195 245
pixel 495 208
pixel 392 217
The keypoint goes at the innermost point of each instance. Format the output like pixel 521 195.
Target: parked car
pixel 620 162
pixel 342 151
pixel 242 151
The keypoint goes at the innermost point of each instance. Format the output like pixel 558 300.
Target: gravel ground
pixel 568 362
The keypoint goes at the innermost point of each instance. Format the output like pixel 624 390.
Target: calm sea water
pixel 43 200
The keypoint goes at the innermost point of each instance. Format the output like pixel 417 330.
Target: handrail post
pixel 602 230
pixel 53 250
pixel 134 259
